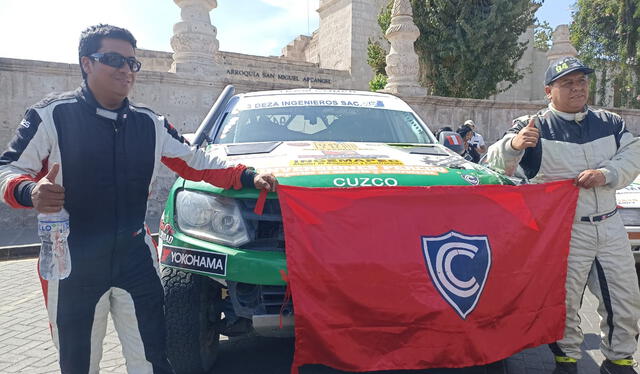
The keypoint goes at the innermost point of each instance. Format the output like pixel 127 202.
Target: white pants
pixel 600 257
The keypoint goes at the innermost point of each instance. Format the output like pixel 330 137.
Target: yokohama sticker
pixel 192 259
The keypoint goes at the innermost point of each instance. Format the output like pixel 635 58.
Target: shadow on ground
pixel 259 355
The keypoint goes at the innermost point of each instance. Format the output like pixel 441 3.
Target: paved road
pixel 25 345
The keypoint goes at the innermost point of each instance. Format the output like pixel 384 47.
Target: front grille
pixel 273 298
pixel 266 230
pixel 252 299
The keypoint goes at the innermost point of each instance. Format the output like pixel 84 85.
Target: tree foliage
pixel 606 34
pixel 378 82
pixel 466 47
pixel 543 36
pixel 376 56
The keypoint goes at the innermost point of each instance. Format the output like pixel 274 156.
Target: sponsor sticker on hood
pixel 472 179
pixel 323 158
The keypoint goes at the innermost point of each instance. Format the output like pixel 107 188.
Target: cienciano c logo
pixel 458 265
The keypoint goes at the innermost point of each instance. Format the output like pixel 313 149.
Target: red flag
pixel 425 277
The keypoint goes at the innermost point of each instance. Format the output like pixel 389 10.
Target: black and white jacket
pixel 108 160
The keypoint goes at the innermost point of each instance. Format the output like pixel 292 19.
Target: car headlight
pixel 210 217
pixel 630 216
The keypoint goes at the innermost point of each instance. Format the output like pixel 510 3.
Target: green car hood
pixel 350 164
pixel 312 164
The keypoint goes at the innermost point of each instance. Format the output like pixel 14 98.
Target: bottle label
pixel 47 226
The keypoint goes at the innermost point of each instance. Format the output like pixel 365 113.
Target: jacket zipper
pixel 115 177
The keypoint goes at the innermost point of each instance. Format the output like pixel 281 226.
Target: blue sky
pixel 39 30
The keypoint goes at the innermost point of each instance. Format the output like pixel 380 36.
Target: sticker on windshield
pixel 362 103
pixel 335 146
pixel 340 156
pixel 340 153
pixel 345 161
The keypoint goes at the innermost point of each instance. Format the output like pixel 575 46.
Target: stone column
pixel 561 46
pixel 194 39
pixel 402 60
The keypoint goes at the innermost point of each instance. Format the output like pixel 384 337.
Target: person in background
pixel 477 140
pixel 470 151
pixel 96 154
pixel 570 140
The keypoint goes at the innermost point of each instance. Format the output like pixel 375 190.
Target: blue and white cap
pixel 561 67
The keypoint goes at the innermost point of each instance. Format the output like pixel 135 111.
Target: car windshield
pixel 322 123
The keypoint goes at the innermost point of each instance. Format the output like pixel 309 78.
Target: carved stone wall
pixel 334 34
pixel 295 50
pixel 561 44
pixel 345 28
pixel 194 39
pixel 402 60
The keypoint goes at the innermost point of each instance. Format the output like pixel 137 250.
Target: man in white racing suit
pixel 570 140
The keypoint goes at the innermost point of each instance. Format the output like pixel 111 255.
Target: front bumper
pixel 255 267
pixel 273 325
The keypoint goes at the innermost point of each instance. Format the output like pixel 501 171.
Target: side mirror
pixel 452 140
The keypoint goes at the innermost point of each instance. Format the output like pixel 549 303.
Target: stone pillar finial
pixel 561 46
pixel 402 60
pixel 194 39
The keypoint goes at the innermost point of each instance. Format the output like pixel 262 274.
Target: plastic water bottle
pixel 55 259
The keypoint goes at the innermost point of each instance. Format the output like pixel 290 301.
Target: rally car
pixel 628 200
pixel 221 258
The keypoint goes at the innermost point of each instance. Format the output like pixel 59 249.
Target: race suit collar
pixel 578 117
pixel 85 95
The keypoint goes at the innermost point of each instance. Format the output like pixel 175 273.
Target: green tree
pixel 376 57
pixel 466 47
pixel 378 82
pixel 543 36
pixel 606 34
pixel 377 54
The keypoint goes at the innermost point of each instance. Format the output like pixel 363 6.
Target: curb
pixel 25 251
pixel 19 252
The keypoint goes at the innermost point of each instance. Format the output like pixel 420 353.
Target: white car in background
pixel 629 208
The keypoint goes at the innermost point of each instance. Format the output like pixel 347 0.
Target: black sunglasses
pixel 116 60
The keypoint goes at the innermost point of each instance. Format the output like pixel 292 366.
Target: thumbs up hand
pixel 47 196
pixel 527 137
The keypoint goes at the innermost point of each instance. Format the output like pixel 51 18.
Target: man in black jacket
pixel 99 155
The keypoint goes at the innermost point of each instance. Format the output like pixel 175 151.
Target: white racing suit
pixel 599 255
